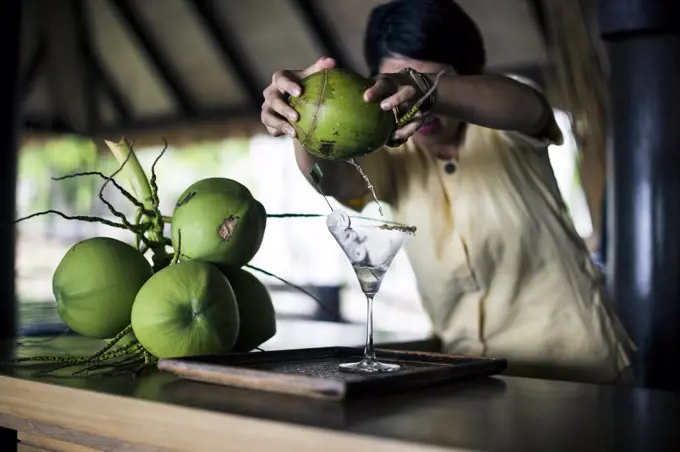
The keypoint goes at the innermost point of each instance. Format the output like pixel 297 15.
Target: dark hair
pixel 427 30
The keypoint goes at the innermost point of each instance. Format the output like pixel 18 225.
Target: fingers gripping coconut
pixel 193 301
pixel 338 115
pixel 278 116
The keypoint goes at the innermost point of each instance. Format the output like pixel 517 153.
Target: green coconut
pixel 219 222
pixel 255 310
pixel 96 283
pixel 335 122
pixel 186 309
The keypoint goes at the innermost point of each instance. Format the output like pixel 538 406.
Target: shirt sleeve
pixel 379 167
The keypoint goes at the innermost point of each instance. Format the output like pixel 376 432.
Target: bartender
pixel 500 269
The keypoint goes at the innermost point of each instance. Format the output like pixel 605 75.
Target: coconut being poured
pixel 336 123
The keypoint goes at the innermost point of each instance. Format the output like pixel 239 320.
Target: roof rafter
pixel 67 75
pixel 319 26
pixel 232 55
pixel 33 68
pixel 120 103
pixel 539 11
pixel 211 116
pixel 161 64
pixel 89 77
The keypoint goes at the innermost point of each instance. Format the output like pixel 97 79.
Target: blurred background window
pixel 299 250
pixel 193 71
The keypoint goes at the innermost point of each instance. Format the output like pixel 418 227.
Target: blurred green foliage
pixel 203 155
pixel 38 164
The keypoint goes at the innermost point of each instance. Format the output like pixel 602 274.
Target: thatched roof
pixel 108 67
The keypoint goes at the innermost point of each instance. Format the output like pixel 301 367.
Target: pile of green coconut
pixel 194 297
pixel 165 297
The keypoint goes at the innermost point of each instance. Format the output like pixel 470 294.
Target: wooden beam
pixel 173 122
pixel 65 64
pixel 248 119
pixel 319 27
pixel 33 68
pixel 53 125
pixel 118 99
pixel 231 53
pixel 153 51
pixel 539 11
pixel 89 77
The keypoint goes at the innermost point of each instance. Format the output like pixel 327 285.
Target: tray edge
pixel 300 385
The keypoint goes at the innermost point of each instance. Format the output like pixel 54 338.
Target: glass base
pixel 368 366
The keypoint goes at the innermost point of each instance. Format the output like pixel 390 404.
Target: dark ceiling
pixel 102 67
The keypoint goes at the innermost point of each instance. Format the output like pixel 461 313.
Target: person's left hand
pixel 397 90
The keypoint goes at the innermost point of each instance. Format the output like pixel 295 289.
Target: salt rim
pixel 399 227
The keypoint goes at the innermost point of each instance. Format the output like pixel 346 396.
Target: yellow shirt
pixel 500 268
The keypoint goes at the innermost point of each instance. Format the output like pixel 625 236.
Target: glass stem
pixel 369 353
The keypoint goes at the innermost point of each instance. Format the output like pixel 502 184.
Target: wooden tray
pixel 314 372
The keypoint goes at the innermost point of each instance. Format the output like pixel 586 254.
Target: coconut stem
pixel 178 249
pixel 129 164
pixel 90 370
pixel 74 217
pixel 294 286
pixel 73 360
pixel 129 353
pixel 132 356
pixel 129 196
pixel 139 228
pixel 147 191
pixel 295 215
pixel 110 344
pixel 114 211
pixel 133 173
pixel 138 240
pixel 152 182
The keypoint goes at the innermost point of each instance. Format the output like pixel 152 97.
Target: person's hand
pixel 277 114
pixel 397 90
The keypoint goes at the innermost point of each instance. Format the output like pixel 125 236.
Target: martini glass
pixel 370 246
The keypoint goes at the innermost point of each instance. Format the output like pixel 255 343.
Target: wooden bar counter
pixel 157 411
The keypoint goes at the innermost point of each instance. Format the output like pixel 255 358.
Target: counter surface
pixel 498 414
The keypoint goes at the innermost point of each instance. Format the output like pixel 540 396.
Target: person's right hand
pixel 277 114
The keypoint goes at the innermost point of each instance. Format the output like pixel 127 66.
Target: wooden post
pixel 643 42
pixel 9 141
pixel 10 29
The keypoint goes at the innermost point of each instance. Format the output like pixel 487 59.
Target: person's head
pixel 428 36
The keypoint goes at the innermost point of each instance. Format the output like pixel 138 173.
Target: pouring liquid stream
pixel 316 173
pixel 368 183
pixel 316 176
pixel 370 278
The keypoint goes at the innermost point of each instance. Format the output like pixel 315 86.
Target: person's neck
pixel 444 150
